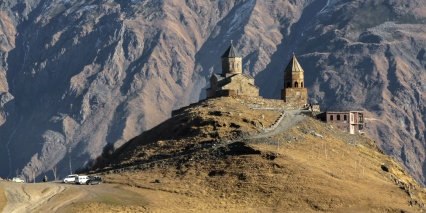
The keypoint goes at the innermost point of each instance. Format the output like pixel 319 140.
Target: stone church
pixel 232 81
pixel 294 95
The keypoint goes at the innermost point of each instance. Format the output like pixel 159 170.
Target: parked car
pixel 18 180
pixel 69 179
pixel 94 180
pixel 81 179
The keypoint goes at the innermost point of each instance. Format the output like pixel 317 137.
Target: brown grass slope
pixel 214 165
pixel 3 199
pixel 207 123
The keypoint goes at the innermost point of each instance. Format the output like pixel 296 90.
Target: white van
pixel 81 179
pixel 69 179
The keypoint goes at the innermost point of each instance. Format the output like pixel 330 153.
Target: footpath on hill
pixel 291 118
pixel 29 197
pixel 57 196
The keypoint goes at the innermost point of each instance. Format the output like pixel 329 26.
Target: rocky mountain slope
pixel 76 75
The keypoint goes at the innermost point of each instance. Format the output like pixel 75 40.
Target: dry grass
pixel 101 198
pixel 302 178
pixel 3 199
pixel 101 207
pixel 208 121
pixel 308 168
pixel 294 171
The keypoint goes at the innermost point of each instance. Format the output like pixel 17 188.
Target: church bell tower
pixel 231 62
pixel 294 88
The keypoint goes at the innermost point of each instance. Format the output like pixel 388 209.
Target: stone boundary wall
pixel 253 102
pixel 275 124
pixel 258 102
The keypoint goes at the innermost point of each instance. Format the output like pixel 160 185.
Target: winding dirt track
pixel 25 197
pixel 59 197
pixel 49 197
pixel 291 118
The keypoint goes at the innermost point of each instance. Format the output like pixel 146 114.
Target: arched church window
pixel 331 117
pixel 345 117
pixel 338 117
pixel 296 84
pixel 301 84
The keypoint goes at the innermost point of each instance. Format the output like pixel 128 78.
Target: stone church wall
pixel 242 86
pixel 297 96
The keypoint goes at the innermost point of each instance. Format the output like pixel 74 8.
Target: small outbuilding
pixel 349 121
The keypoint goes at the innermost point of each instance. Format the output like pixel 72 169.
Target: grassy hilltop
pixel 216 156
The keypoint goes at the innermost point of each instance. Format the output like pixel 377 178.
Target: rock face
pixel 76 75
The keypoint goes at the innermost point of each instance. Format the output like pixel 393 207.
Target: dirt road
pixel 60 197
pixel 291 118
pixel 29 197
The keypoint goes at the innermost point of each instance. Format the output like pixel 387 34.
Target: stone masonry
pixel 294 89
pixel 231 81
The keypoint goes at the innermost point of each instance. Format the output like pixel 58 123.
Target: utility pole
pixel 54 169
pixel 69 157
pixel 70 164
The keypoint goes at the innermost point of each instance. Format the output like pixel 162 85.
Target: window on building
pixel 345 117
pixel 331 117
pixel 301 84
pixel 296 84
pixel 338 117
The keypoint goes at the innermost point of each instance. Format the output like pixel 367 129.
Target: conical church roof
pixel 293 66
pixel 231 52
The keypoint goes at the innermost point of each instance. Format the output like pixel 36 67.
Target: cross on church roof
pixel 231 52
pixel 293 65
